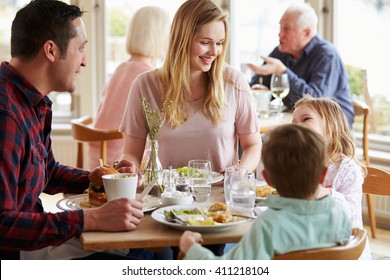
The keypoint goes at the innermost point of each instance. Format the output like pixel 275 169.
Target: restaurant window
pixel 363 41
pixel 255 29
pixel 64 107
pixel 118 15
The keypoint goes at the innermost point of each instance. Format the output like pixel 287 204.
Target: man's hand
pixel 121 214
pixel 272 66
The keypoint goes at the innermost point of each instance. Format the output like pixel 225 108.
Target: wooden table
pixel 266 125
pixel 151 234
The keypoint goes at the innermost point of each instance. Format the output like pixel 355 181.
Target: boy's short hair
pixel 294 158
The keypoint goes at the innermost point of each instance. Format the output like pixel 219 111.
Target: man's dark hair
pixel 39 21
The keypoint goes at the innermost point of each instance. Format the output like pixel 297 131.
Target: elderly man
pixel 313 65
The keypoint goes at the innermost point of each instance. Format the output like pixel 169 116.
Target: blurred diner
pixel 313 65
pixel 146 43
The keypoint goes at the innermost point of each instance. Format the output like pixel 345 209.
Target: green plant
pixel 355 80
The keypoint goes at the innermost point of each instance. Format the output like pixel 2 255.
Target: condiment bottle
pixel 181 183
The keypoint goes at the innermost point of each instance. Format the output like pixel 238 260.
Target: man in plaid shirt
pixel 48 48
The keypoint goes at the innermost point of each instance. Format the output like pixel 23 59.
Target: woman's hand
pixel 125 166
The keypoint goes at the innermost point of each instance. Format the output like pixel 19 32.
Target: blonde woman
pixel 211 106
pixel 345 174
pixel 146 43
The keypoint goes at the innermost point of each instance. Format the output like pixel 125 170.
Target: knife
pixel 148 188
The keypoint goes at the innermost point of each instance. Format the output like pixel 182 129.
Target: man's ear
pixel 50 49
pixel 307 32
pixel 323 175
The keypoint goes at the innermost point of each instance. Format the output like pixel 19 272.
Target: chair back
pixel 82 131
pixel 350 251
pixel 377 182
pixel 362 109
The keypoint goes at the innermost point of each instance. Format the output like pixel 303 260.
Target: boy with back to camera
pixel 294 160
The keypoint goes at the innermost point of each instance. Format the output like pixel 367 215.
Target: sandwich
pixel 96 192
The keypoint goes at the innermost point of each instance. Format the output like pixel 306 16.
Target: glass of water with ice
pixel 199 179
pixel 242 191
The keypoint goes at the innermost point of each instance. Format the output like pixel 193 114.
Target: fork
pixel 177 217
pixel 170 217
pixel 199 211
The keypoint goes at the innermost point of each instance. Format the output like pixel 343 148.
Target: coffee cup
pixel 120 185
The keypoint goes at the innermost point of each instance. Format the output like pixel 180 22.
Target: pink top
pixel 197 138
pixel 346 181
pixel 111 109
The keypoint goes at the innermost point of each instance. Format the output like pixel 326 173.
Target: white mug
pixel 120 185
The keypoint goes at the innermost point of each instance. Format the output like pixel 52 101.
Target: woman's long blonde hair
pixel 175 73
pixel 340 141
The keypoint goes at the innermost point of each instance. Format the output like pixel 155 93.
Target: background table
pixel 266 125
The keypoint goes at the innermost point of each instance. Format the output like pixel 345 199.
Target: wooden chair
pixel 377 182
pixel 351 251
pixel 82 131
pixel 362 109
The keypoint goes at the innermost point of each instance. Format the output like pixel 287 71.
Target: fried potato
pixel 218 206
pixel 264 191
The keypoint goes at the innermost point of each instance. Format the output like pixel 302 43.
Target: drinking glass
pixel 280 87
pixel 232 174
pixel 242 190
pixel 199 179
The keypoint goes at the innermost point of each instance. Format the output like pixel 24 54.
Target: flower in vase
pixel 154 120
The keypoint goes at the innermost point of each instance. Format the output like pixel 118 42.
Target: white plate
pixel 217 177
pixel 158 215
pixel 73 203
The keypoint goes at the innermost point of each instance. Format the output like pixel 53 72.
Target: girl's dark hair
pixel 39 21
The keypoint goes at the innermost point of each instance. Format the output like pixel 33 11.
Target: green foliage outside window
pixel 118 23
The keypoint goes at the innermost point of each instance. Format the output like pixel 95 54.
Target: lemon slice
pixel 207 222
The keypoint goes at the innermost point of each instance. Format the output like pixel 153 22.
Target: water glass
pixel 242 189
pixel 263 99
pixel 199 179
pixel 232 174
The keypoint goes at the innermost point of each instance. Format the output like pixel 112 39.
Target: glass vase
pixel 153 169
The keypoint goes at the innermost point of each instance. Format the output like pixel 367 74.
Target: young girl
pixel 345 174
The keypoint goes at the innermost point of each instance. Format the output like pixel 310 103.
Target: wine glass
pixel 280 87
pixel 199 179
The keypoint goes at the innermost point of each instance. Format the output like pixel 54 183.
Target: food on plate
pixel 95 190
pixel 222 217
pixel 264 191
pixel 201 222
pixel 218 206
pixel 217 213
pixel 185 169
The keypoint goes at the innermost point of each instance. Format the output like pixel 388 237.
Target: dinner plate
pixel 217 177
pixel 158 215
pixel 81 201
